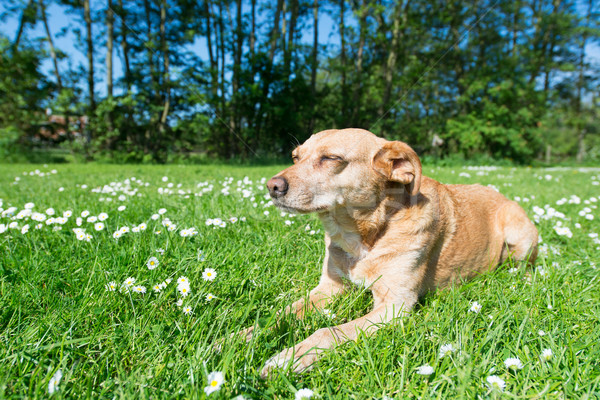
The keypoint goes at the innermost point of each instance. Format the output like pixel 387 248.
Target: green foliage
pixel 488 77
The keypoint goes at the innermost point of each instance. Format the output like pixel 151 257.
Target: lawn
pixel 63 328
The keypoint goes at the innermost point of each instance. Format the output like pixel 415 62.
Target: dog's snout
pixel 278 186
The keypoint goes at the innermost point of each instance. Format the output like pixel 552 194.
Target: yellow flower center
pixel 151 262
pixel 214 383
pixel 208 274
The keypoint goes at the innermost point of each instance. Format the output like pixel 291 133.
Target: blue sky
pixel 59 21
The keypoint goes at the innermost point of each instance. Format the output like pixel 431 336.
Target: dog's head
pixel 345 168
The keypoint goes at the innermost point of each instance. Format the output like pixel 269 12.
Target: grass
pixel 56 314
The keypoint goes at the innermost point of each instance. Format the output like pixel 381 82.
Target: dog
pixel 390 229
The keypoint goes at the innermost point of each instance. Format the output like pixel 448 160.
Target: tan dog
pixel 390 229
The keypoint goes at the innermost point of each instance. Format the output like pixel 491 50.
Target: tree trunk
pixel 167 81
pixel 253 28
pixel 314 64
pixel 291 33
pixel 275 31
pixel 342 29
pixel 214 80
pixel 90 53
pixel 124 45
pixel 581 130
pixel 109 49
pixel 358 84
pixel 25 18
pixel 51 44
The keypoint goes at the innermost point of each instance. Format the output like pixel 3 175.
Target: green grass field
pixel 57 312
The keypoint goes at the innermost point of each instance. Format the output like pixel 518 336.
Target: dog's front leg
pixel 302 356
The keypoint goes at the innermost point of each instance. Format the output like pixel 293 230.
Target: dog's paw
pixel 280 361
pixel 289 358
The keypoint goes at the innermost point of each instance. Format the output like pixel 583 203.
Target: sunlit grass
pixel 56 313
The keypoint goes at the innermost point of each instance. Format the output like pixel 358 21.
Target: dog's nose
pixel 278 186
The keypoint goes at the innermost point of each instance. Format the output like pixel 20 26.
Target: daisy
pixel 209 274
pixel 161 251
pixel 546 355
pixel 98 226
pixel 157 288
pixel 102 216
pixel 494 382
pixel 162 211
pixel 54 382
pixel 215 380
pixel 210 296
pixel 184 289
pixel 303 394
pixel 328 313
pixel 85 214
pixel 92 219
pixel 425 370
pixel 142 226
pixel 475 307
pixel 187 310
pixel 139 289
pixel 447 350
pixel 117 234
pixel 513 363
pixel 182 280
pixel 129 282
pixel 179 302
pixel 155 217
pixel 152 263
pixel 50 211
pixel 121 208
pixel 111 286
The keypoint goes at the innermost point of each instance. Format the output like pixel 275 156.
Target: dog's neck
pixel 356 229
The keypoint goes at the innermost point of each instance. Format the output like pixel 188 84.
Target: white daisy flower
pixel 210 296
pixel 425 370
pixel 546 355
pixel 328 313
pixel 121 208
pixel 161 251
pixel 157 288
pixel 102 217
pixel 215 381
pixel 187 310
pixel 162 211
pixel 209 274
pixel 92 219
pixel 179 302
pixel 182 280
pixel 475 307
pixel 54 382
pixel 139 289
pixel 447 350
pixel 129 281
pixel 152 263
pixel 513 363
pixel 304 394
pixel 184 289
pixel 85 213
pixel 98 226
pixel 142 226
pixel 50 211
pixel 495 383
pixel 111 286
pixel 155 217
pixel 117 234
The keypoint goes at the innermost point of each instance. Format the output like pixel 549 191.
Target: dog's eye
pixel 331 158
pixel 295 159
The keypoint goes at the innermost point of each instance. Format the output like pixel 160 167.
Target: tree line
pixel 495 78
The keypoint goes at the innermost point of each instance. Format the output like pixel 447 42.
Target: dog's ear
pixel 399 163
